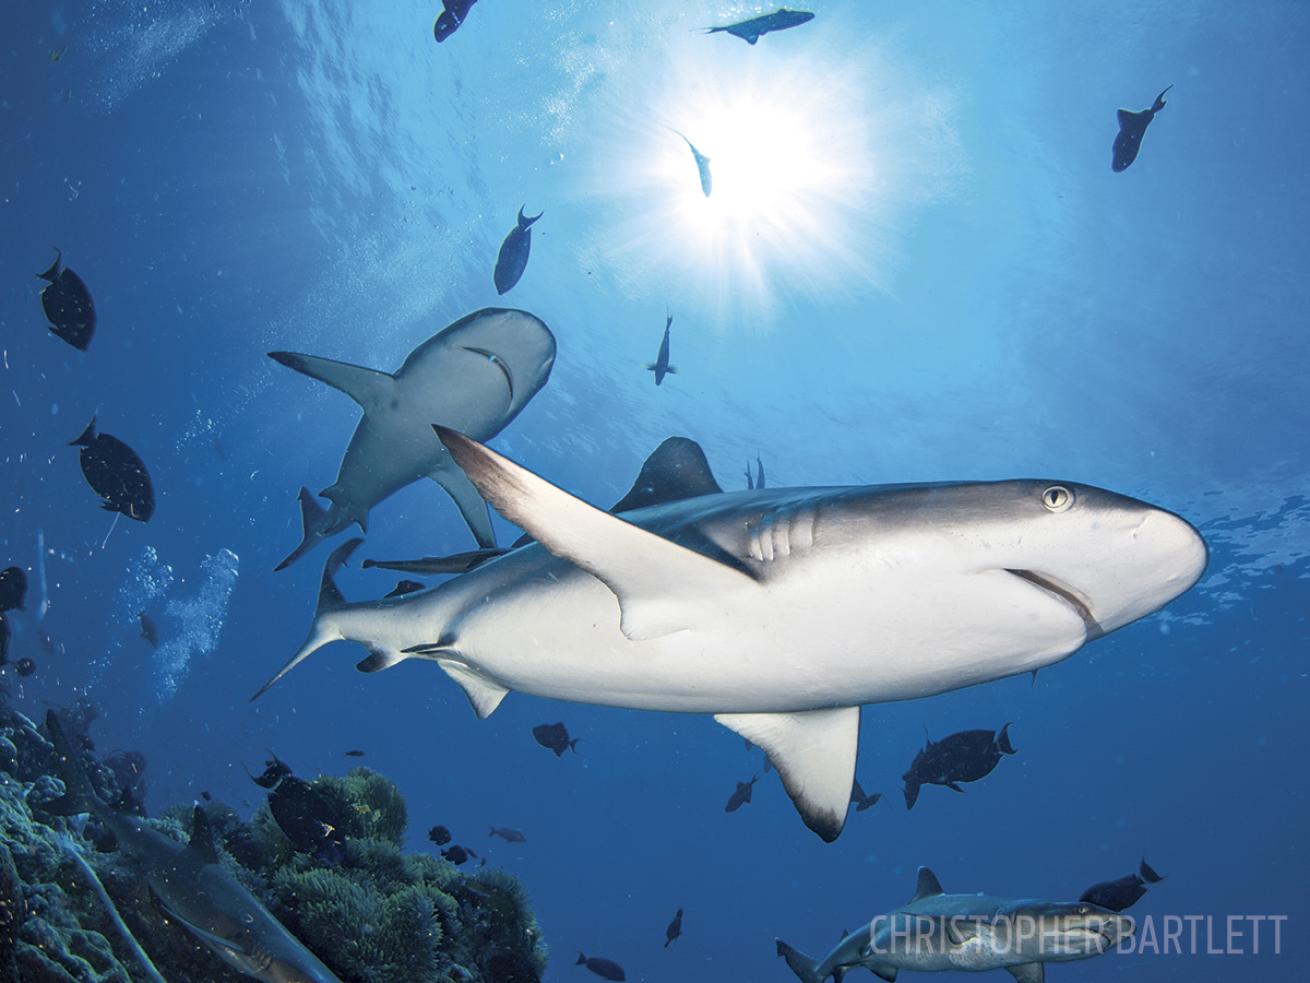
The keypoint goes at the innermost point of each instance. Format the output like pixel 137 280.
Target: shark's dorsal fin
pixel 661 587
pixel 928 886
pixel 371 389
pixel 676 470
pixel 484 694
pixel 202 836
pixel 814 754
pixel 1028 972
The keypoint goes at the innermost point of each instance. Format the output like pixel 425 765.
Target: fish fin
pixel 637 565
pixel 211 939
pixel 838 974
pixel 1028 972
pixel 814 754
pixel 927 886
pixel 672 370
pixel 799 963
pixel 379 659
pixel 471 505
pixel 78 795
pixel 676 470
pixel 202 836
pixel 954 787
pixel 52 274
pixel 887 973
pixel 484 694
pixel 87 437
pixel 1159 100
pixel 1003 741
pixel 370 388
pixel 321 632
pixel 1148 873
pixel 525 222
pixel 650 367
pixel 312 522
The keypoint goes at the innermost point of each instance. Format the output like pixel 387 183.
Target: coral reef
pixel 373 914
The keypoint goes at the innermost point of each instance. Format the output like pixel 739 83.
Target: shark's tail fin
pixel 801 964
pixel 330 599
pixel 1159 100
pixel 78 795
pixel 1003 741
pixel 313 520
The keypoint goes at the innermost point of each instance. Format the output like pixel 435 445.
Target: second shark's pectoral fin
pixel 1029 973
pixel 370 388
pixel 470 503
pixel 814 754
pixel 484 694
pixel 662 587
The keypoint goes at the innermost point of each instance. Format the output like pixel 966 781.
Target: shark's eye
pixel 1057 498
pixel 1084 910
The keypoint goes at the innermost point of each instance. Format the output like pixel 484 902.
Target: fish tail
pixel 582 959
pixel 1003 741
pixel 1159 100
pixel 313 520
pixel 525 221
pixel 321 632
pixel 573 744
pixel 801 964
pixel 52 274
pixel 87 437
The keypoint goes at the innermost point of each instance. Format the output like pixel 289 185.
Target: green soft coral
pixel 374 805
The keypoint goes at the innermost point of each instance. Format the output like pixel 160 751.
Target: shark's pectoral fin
pixel 662 587
pixel 211 939
pixel 371 389
pixel 1029 973
pixel 814 754
pixel 484 694
pixel 471 505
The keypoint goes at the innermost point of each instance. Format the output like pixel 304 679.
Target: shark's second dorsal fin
pixel 928 886
pixel 370 388
pixel 675 471
pixel 202 836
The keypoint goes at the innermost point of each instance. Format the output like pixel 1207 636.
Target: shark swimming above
pixel 779 611
pixel 476 374
pixel 191 885
pixel 935 932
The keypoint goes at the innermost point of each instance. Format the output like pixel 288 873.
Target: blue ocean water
pixel 917 265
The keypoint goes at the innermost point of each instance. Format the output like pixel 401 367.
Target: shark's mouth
pixel 499 363
pixel 1066 594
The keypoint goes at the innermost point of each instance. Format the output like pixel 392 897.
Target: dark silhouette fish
pixel 449 20
pixel 148 630
pixel 963 757
pixel 862 801
pixel 13 589
pixel 309 819
pixel 674 929
pixel 354 753
pixel 606 969
pixel 740 797
pixel 68 306
pixel 661 366
pixel 439 835
pixel 116 474
pixel 404 587
pixel 752 30
pixel 1132 127
pixel 25 667
pixel 555 737
pixel 1123 893
pixel 702 166
pixel 454 563
pixel 514 252
pixel 457 855
pixel 508 833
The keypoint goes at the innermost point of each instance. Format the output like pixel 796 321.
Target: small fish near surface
pixel 454 563
pixel 555 737
pixel 148 630
pixel 1123 893
pixel 68 305
pixel 702 166
pixel 661 366
pixel 742 795
pixel 508 833
pixel 1132 127
pixel 606 969
pixel 116 474
pixel 674 929
pixel 451 17
pixel 963 757
pixel 514 251
pixel 755 28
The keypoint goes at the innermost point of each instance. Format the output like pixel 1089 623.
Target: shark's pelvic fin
pixel 329 599
pixel 484 694
pixel 470 503
pixel 676 470
pixel 927 887
pixel 370 388
pixel 1029 972
pixel 814 754
pixel 661 587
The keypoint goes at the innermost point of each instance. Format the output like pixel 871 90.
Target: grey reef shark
pixel 190 883
pixel 476 374
pixel 937 932
pixel 780 611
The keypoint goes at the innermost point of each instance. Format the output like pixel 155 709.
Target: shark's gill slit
pixel 1066 594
